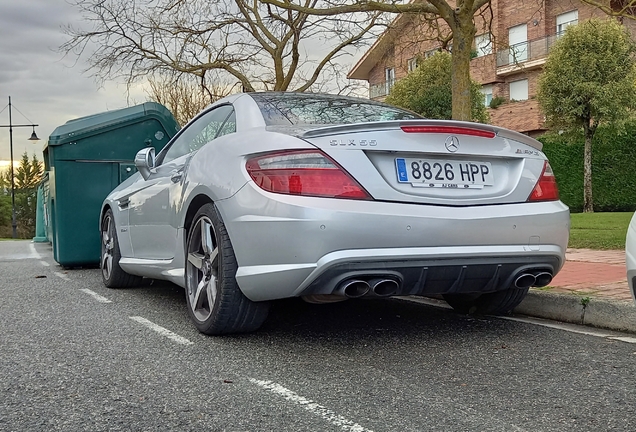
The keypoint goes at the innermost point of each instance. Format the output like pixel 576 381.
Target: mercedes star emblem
pixel 452 143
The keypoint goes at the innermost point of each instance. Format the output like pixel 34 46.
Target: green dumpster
pixel 84 160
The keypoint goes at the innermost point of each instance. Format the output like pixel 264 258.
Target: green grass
pixel 599 230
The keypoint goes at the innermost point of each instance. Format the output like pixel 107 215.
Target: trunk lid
pixel 432 161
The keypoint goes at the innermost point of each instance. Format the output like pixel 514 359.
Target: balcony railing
pixel 525 51
pixel 517 54
pixel 381 89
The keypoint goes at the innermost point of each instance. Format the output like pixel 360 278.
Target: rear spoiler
pixel 397 124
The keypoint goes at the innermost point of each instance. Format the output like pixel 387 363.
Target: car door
pixel 153 208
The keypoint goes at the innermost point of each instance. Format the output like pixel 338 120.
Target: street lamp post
pixel 34 137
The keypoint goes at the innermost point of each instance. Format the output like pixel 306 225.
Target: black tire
pixel 112 274
pixel 216 304
pixel 495 303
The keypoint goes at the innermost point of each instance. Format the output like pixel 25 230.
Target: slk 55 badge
pixel 352 142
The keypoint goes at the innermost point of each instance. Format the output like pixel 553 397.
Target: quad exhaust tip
pixel 539 279
pixel 542 279
pixel 354 288
pixel 525 280
pixel 384 287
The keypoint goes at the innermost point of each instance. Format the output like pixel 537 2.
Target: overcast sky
pixel 46 87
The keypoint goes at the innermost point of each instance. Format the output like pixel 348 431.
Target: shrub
pixel 612 167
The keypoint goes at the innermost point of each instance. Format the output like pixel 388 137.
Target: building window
pixel 518 41
pixel 432 52
pixel 487 92
pixel 412 64
pixel 519 90
pixel 389 76
pixel 483 46
pixel 565 20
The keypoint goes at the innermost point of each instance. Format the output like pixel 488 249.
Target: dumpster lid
pixel 83 127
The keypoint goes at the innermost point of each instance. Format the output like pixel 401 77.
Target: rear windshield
pixel 305 108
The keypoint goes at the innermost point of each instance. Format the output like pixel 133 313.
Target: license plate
pixel 444 173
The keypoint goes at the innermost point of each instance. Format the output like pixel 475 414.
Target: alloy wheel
pixel 107 247
pixel 202 269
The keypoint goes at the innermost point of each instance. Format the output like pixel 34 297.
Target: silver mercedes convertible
pixel 265 196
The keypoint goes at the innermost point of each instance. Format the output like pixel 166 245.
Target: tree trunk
pixel 463 35
pixel 588 205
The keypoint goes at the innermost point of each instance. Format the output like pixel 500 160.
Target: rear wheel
pixel 215 303
pixel 495 303
pixel 112 274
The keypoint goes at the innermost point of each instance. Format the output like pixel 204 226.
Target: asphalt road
pixel 76 356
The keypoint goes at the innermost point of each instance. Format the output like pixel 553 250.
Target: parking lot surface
pixel 75 355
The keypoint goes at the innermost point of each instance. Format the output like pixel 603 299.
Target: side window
pixel 229 126
pixel 201 132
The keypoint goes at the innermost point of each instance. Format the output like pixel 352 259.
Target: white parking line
pixel 162 331
pixel 627 339
pixel 34 253
pixel 572 328
pixel 313 407
pixel 61 275
pixel 95 296
pixel 44 263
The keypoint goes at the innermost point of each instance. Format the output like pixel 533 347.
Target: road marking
pixel 572 328
pixel 161 330
pixel 96 296
pixel 61 275
pixel 627 339
pixel 34 253
pixel 44 263
pixel 311 406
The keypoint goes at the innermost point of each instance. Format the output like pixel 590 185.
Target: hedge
pixel 613 167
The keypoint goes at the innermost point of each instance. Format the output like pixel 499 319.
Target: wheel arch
pixel 105 208
pixel 195 204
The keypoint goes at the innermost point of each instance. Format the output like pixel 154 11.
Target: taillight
pixel 453 130
pixel 305 173
pixel 546 188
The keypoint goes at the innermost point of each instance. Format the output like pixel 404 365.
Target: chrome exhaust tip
pixel 525 280
pixel 353 288
pixel 542 279
pixel 384 287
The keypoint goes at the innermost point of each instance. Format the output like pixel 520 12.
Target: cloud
pixel 48 88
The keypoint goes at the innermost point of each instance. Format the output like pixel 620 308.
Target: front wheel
pixel 112 274
pixel 495 303
pixel 215 303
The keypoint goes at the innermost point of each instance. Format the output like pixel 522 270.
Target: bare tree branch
pixel 618 8
pixel 258 45
pixel 458 16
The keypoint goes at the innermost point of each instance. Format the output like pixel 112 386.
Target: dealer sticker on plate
pixel 444 173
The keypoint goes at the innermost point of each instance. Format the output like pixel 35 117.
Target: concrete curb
pixel 591 311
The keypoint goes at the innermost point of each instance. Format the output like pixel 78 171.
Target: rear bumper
pixel 290 246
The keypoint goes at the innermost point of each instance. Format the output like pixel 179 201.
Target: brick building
pixel 511 47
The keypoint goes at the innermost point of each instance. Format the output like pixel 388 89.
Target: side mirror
pixel 145 161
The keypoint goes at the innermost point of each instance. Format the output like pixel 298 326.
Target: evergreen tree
pixel 26 178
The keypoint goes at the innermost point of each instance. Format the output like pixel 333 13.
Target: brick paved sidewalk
pixel 593 273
